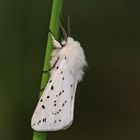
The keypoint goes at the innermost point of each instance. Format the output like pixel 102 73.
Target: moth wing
pixel 55 108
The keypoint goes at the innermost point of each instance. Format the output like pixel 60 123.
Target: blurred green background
pixel 107 101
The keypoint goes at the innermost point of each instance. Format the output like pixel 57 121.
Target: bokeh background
pixel 107 101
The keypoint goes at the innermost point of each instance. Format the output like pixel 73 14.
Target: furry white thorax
pixel 74 55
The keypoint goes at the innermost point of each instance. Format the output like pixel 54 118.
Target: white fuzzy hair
pixel 74 54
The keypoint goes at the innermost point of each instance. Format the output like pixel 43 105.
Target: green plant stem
pixel 54 27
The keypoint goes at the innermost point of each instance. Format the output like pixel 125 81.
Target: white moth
pixel 55 108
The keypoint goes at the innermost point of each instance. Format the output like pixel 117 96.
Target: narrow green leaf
pixel 54 26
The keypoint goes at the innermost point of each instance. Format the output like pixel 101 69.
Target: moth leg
pixel 52 66
pixel 56 43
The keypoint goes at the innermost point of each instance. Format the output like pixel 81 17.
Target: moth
pixel 55 109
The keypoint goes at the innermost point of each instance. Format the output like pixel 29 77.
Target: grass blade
pixel 54 27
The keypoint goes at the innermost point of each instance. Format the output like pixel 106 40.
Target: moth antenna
pixel 68 25
pixel 63 32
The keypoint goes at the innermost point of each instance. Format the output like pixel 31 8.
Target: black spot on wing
pixel 41 100
pixel 56 112
pixel 61 72
pixel 59 93
pixel 64 103
pixel 57 67
pixel 44 120
pixel 52 87
pixel 39 122
pixel 50 81
pixel 48 96
pixel 71 85
pixel 43 106
pixel 71 97
pixel 63 78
